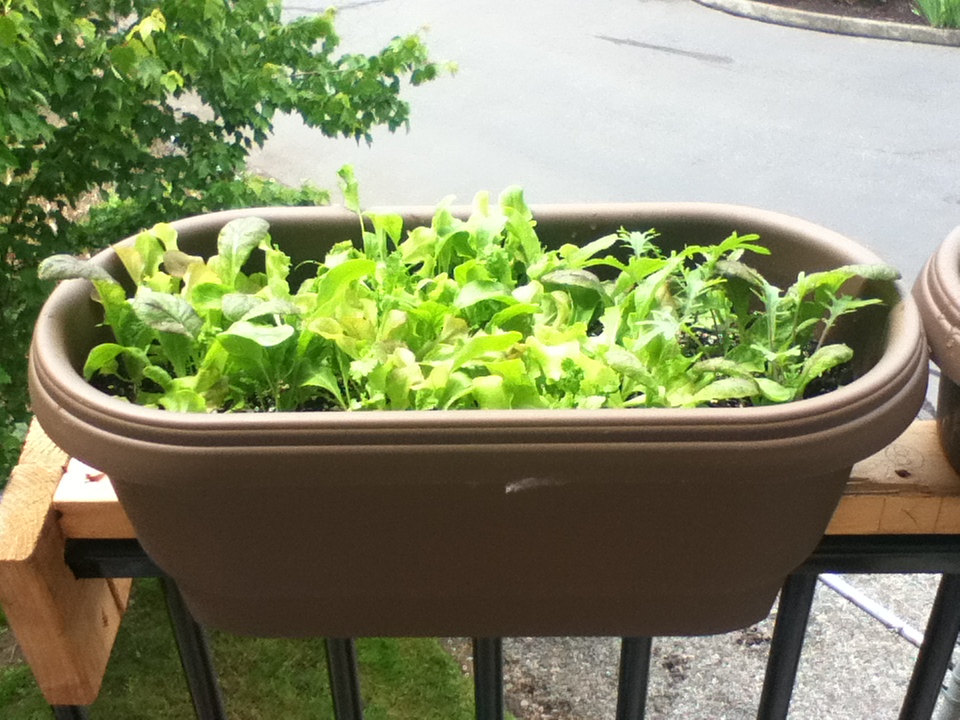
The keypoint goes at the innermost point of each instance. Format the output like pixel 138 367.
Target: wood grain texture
pixel 65 627
pixel 87 505
pixel 907 488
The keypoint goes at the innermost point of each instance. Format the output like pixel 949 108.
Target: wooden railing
pixel 68 551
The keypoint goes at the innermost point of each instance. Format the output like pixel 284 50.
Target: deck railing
pixel 901 514
pixel 836 553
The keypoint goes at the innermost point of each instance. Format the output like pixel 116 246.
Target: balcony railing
pixel 836 553
pixel 899 527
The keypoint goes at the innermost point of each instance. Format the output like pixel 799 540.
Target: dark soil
pixel 901 11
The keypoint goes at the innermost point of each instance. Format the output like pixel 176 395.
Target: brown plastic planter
pixel 937 292
pixel 486 523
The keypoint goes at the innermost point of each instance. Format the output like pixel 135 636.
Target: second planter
pixel 937 293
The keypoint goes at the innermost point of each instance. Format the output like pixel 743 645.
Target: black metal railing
pixel 836 553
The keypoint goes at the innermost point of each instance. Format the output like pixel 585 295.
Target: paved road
pixel 659 100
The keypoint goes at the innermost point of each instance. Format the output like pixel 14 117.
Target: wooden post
pixel 65 627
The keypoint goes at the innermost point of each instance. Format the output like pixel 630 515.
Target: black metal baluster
pixel 938 642
pixel 70 712
pixel 344 679
pixel 195 656
pixel 793 612
pixel 633 678
pixel 488 678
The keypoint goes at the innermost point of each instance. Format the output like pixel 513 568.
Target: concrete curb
pixel 834 23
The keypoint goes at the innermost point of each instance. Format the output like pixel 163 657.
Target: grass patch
pixel 941 13
pixel 402 679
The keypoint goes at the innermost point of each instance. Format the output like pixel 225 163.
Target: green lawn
pixel 402 679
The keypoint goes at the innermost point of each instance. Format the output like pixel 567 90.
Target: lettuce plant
pixel 472 313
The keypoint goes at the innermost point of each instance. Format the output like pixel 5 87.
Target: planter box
pixel 490 523
pixel 937 292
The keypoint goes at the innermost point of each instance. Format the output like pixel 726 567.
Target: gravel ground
pixel 852 666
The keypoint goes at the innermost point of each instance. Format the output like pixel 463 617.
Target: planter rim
pixel 937 293
pixel 65 385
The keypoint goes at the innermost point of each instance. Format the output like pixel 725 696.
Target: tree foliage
pixel 95 97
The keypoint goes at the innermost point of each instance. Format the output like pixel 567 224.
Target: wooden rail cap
pixel 907 488
pixel 87 505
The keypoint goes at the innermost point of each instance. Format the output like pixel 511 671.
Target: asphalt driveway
pixel 658 100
